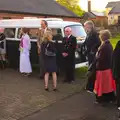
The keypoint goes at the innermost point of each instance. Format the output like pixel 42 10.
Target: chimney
pixel 89 5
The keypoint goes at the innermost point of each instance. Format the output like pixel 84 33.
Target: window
pixel 33 33
pixel 10 32
pixel 78 31
pixel 56 31
pixel 57 34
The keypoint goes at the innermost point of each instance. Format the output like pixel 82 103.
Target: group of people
pixel 104 65
pixel 47 54
pixel 104 62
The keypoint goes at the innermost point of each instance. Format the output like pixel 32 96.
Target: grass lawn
pixel 81 72
pixel 115 40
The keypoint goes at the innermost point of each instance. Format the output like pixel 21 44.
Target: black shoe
pixel 65 81
pixel 55 90
pixel 4 63
pixel 1 64
pixel 41 77
pixel 46 89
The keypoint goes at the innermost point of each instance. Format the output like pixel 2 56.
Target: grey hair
pixel 68 28
pixel 90 23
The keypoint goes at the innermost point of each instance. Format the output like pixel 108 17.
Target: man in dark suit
pixel 69 47
pixel 92 43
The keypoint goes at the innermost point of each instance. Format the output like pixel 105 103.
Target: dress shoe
pixel 55 89
pixel 46 89
pixel 41 77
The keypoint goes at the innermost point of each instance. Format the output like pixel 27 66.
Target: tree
pixel 72 5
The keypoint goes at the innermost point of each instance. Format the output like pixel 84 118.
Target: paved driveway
pixel 21 96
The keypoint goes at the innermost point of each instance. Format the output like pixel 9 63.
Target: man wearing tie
pixel 69 47
pixel 41 32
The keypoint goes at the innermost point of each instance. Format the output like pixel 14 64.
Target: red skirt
pixel 104 82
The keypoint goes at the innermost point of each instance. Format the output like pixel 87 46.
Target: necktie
pixel 67 39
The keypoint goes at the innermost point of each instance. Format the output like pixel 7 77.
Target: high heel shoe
pixel 55 89
pixel 46 89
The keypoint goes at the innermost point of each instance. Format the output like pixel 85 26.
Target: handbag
pixel 49 53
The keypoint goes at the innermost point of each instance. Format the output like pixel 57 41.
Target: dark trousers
pixel 91 58
pixel 42 67
pixel 118 92
pixel 69 68
pixel 91 80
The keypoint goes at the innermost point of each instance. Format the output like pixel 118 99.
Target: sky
pixel 97 5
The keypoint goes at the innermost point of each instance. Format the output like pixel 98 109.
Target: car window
pixel 33 33
pixel 57 34
pixel 10 32
pixel 78 30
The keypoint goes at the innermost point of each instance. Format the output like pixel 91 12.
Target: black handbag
pixel 48 52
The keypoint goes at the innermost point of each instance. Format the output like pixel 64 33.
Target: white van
pixel 12 31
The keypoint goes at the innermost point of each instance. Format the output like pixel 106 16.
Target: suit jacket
pixel 69 46
pixel 92 42
pixel 41 34
pixel 116 62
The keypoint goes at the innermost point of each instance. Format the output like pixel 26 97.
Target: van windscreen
pixel 78 30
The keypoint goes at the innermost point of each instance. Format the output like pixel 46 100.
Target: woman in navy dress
pixel 49 59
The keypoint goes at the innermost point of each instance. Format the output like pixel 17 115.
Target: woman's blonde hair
pixel 105 35
pixel 47 35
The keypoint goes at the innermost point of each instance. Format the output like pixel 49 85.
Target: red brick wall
pixel 20 16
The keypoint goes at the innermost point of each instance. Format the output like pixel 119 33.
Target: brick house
pixel 98 18
pixel 12 9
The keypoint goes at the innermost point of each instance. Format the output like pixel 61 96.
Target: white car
pixel 13 29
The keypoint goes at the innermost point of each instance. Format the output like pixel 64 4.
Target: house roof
pixel 89 15
pixel 93 15
pixel 115 9
pixel 39 7
pixel 98 13
pixel 111 4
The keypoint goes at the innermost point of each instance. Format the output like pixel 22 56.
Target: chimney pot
pixel 89 5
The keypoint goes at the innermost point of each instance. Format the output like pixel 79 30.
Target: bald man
pixel 69 47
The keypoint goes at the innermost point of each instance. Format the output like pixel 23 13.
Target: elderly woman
pixel 104 83
pixel 49 56
pixel 25 46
